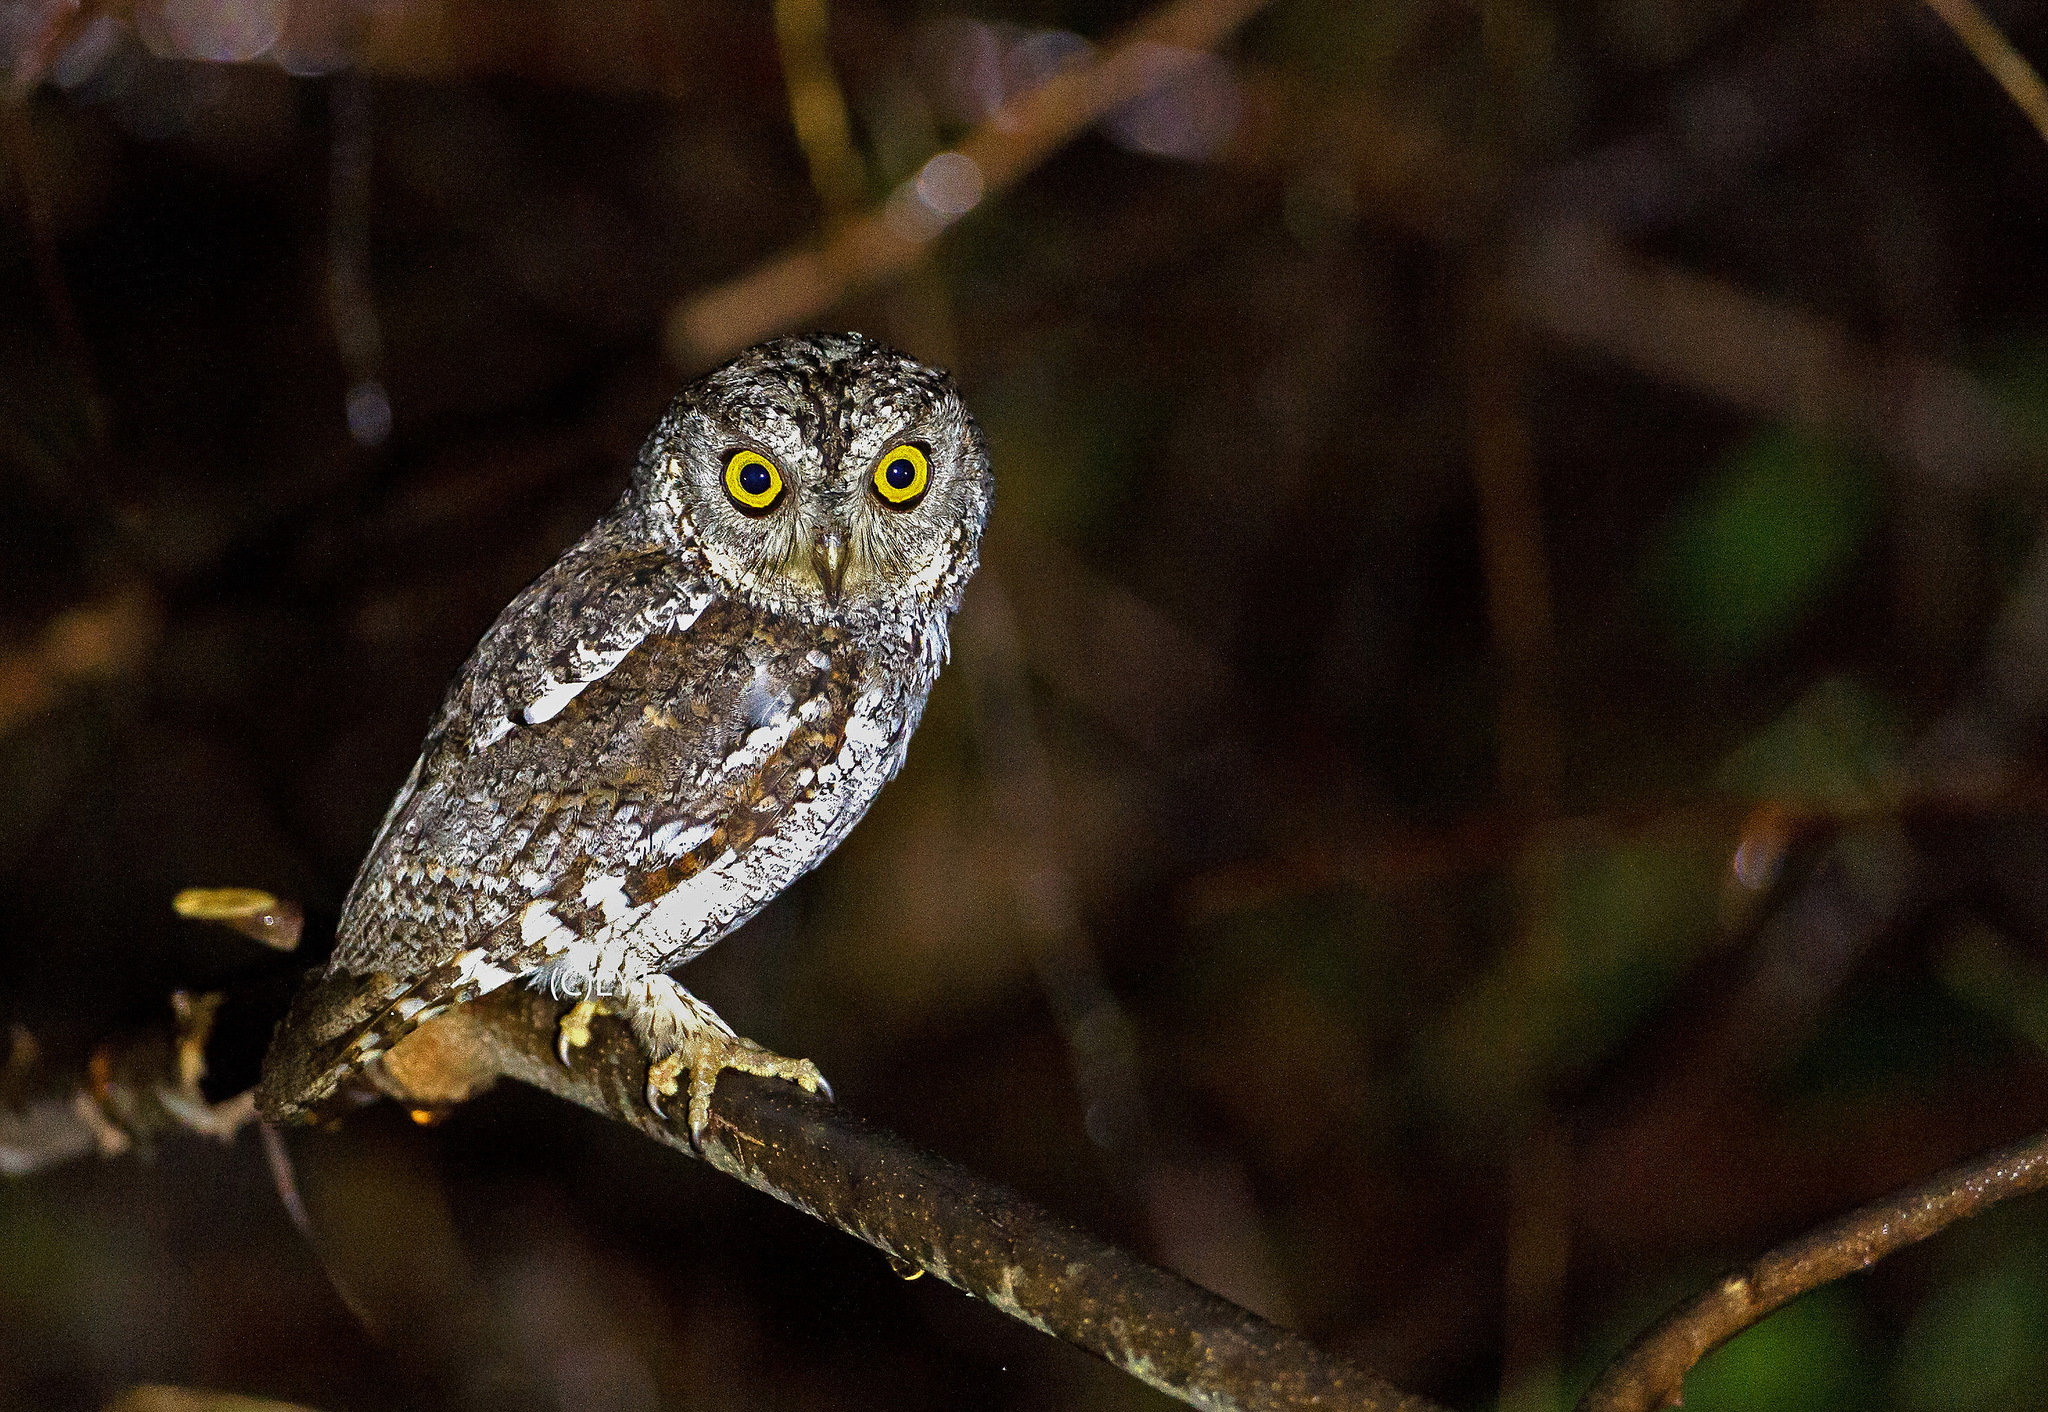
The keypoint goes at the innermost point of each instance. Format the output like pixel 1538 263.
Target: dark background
pixel 1491 770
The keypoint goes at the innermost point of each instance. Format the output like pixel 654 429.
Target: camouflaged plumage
pixel 673 722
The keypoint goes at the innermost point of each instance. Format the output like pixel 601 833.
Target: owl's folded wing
pixel 567 631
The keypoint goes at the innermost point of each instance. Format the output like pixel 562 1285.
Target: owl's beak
pixel 828 561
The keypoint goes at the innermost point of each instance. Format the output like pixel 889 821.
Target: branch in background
pixel 351 295
pixel 1651 1373
pixel 817 106
pixel 94 641
pixel 887 240
pixel 1580 286
pixel 250 911
pixel 1575 281
pixel 158 1397
pixel 1995 52
pixel 132 1090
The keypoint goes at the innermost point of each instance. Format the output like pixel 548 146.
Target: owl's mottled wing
pixel 692 731
pixel 432 885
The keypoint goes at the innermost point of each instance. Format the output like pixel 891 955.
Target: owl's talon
pixel 710 1053
pixel 573 1032
pixel 703 1084
pixel 661 1080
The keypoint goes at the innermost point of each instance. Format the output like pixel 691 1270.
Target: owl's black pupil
pixel 754 479
pixel 900 474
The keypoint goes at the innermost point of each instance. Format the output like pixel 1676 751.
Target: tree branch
pixel 128 1091
pixel 922 1210
pixel 930 1214
pixel 1651 1372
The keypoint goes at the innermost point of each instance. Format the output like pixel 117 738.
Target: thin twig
pixel 1995 52
pixel 1651 1373
pixel 890 238
pixel 1530 766
pixel 1197 1203
pixel 817 106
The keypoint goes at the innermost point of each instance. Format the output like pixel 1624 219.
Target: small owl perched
pixel 667 728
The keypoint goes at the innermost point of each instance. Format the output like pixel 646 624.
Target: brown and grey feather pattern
pixel 680 717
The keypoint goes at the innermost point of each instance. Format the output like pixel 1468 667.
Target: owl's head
pixel 827 476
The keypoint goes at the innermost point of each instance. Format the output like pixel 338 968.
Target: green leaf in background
pixel 1833 750
pixel 1976 1345
pixel 1807 1357
pixel 1614 922
pixel 1748 556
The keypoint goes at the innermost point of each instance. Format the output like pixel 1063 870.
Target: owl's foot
pixel 574 1030
pixel 711 1054
pixel 681 1032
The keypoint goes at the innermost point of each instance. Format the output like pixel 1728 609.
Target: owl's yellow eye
pixel 753 482
pixel 903 475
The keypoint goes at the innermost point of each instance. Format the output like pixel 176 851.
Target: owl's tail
pixel 335 1024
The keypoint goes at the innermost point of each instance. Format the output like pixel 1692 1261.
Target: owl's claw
pixel 573 1032
pixel 709 1053
pixel 661 1083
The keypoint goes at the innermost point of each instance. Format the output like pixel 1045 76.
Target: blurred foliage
pixel 1834 750
pixel 1978 1340
pixel 1615 925
pixel 1775 527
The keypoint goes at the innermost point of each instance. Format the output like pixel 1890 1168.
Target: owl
pixel 681 717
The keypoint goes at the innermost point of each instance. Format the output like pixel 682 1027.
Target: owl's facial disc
pixel 826 476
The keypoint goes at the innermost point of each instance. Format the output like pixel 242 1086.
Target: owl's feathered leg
pixel 678 1031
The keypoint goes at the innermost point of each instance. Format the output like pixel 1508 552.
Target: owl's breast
pixel 818 736
pixel 671 798
pixel 722 764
